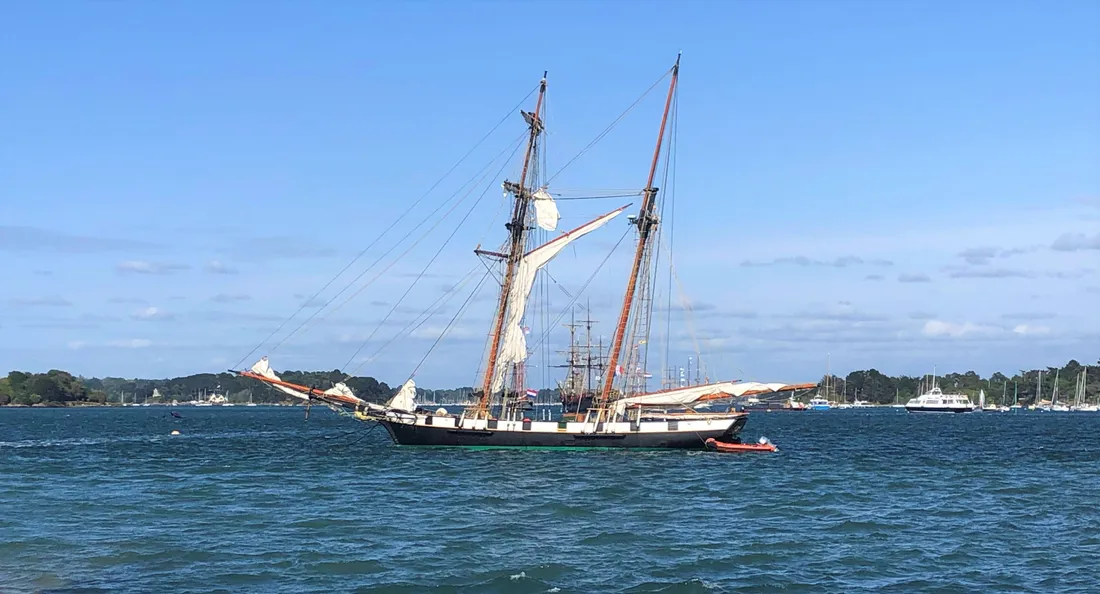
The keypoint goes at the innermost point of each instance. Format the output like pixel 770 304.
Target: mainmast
pixel 517 229
pixel 647 224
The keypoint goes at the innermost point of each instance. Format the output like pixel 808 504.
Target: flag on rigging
pixel 531 392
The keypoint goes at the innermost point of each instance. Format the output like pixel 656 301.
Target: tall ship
pixel 611 405
pixel 584 367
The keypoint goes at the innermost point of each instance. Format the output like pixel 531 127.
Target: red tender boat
pixel 722 446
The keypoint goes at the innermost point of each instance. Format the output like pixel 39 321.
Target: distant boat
pixel 1080 399
pixel 1056 406
pixel 754 404
pixel 819 403
pixel 935 401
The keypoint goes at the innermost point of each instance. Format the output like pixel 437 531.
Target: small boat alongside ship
pixel 763 445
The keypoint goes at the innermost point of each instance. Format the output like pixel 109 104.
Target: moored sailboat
pixel 622 413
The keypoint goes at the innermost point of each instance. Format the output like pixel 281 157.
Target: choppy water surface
pixel 257 499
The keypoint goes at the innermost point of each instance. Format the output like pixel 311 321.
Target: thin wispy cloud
pixel 980 256
pixel 914 278
pixel 991 273
pixel 127 300
pixel 151 313
pixel 219 267
pixel 1030 330
pixel 230 297
pixel 1073 242
pixel 34 239
pixel 1070 274
pixel 941 328
pixel 1028 316
pixel 840 262
pixel 47 301
pixel 130 343
pixel 277 248
pixel 146 267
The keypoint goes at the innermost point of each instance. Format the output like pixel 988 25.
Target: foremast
pixel 646 222
pixel 517 242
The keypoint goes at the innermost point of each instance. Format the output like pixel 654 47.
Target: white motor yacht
pixel 936 401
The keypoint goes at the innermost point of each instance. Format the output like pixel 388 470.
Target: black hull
pixel 576 404
pixel 420 435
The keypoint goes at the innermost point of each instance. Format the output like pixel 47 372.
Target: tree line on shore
pixel 1024 387
pixel 60 388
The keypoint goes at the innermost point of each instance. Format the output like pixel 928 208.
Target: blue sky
pixel 897 184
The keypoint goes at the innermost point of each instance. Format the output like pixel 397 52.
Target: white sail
pixel 689 394
pixel 405 399
pixel 262 367
pixel 341 389
pixel 546 211
pixel 513 343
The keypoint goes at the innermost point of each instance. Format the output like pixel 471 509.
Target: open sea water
pixel 261 500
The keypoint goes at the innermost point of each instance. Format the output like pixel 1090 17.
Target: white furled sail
pixel 262 367
pixel 405 399
pixel 341 389
pixel 546 211
pixel 341 392
pixel 513 344
pixel 689 394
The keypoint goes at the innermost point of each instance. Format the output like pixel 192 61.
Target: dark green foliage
pixel 51 388
pixel 60 388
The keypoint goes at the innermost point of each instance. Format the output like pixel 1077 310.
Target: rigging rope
pixel 546 335
pixel 671 203
pixel 608 129
pixel 454 319
pixel 424 271
pixel 571 198
pixel 420 319
pixel 391 227
pixel 425 235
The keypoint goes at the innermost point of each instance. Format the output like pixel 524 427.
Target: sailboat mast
pixel 646 222
pixel 518 238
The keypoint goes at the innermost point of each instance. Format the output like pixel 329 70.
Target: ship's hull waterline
pixel 645 435
pixel 938 409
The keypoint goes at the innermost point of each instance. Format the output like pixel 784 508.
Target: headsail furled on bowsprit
pixel 622 413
